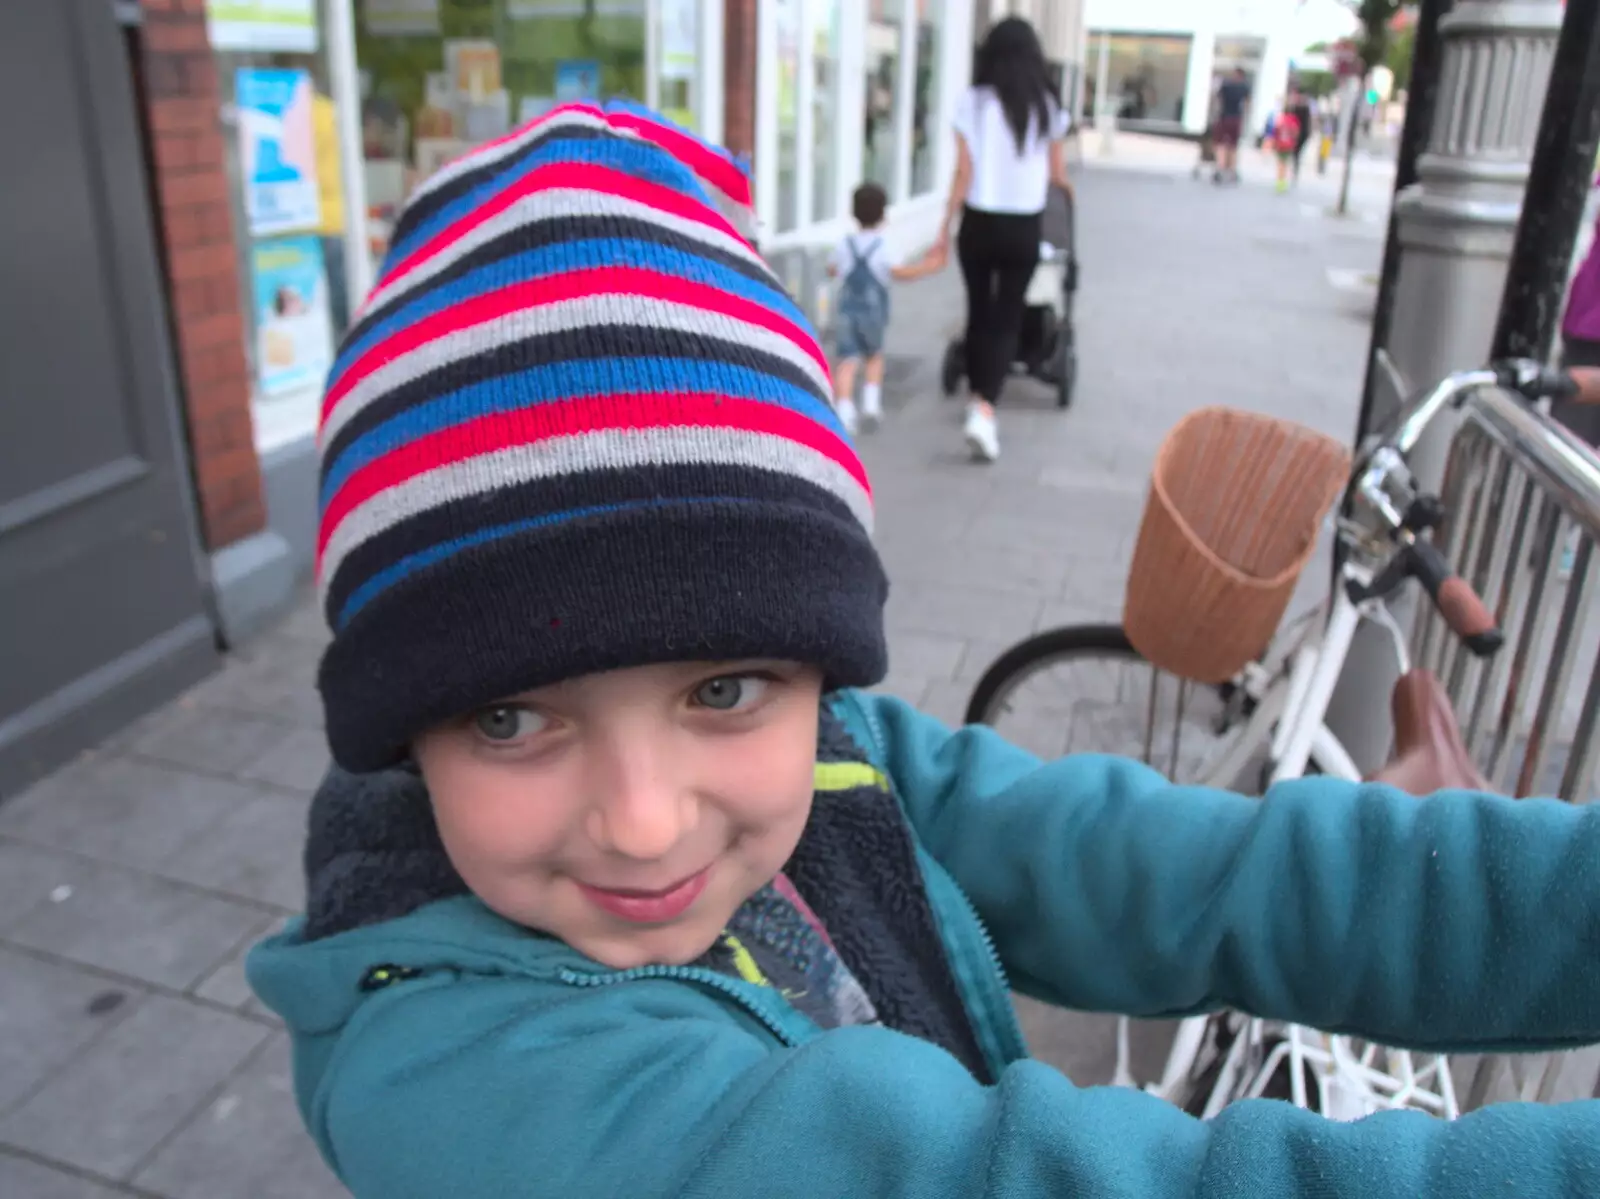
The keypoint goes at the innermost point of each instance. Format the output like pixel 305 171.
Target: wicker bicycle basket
pixel 1235 503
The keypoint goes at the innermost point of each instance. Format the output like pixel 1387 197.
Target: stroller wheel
pixel 1066 372
pixel 953 368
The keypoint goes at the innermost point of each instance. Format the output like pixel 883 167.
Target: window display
pixel 924 133
pixel 786 16
pixel 440 79
pixel 882 91
pixel 1148 75
pixel 825 109
pixel 283 164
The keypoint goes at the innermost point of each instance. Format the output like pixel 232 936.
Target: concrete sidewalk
pixel 134 1061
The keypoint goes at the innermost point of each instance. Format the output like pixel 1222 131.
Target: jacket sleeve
pixel 1462 922
pixel 653 1089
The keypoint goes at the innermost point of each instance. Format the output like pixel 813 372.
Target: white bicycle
pixel 1269 723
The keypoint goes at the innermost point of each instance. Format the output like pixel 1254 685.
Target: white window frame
pixel 708 89
pixel 954 49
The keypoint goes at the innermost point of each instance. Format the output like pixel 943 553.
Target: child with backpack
pixel 622 885
pixel 862 265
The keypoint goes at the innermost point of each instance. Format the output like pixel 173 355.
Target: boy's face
pixel 629 813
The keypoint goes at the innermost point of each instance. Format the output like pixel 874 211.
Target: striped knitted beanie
pixel 579 426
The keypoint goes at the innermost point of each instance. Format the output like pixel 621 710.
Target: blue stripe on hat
pixel 558 381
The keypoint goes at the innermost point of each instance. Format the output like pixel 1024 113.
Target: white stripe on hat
pixel 610 308
pixel 604 449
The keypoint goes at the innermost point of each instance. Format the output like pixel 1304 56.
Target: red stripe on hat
pixel 704 160
pixel 577 175
pixel 554 289
pixel 564 418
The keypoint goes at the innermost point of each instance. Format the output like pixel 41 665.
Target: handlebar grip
pixel 1586 381
pixel 1467 615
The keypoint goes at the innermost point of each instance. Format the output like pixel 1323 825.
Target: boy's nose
pixel 640 813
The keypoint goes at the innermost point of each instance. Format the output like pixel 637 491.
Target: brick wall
pixel 183 109
pixel 739 76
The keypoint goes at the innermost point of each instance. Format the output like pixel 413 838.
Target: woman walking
pixel 1009 151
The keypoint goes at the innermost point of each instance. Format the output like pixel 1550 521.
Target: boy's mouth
pixel 648 907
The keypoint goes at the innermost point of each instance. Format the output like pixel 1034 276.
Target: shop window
pixel 880 148
pixel 282 160
pixel 1148 76
pixel 925 111
pixel 825 109
pixel 441 76
pixel 786 17
pixel 678 40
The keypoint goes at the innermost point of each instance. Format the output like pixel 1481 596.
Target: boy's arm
pixel 931 263
pixel 494 1088
pixel 1458 922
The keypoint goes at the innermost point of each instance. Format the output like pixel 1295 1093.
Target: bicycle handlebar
pixel 1468 616
pixel 1585 384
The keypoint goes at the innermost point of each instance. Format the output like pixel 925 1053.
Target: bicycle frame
pixel 1293 690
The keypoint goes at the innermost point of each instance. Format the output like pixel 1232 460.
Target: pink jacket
pixel 1582 322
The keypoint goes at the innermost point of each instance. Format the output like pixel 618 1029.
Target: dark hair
pixel 1011 61
pixel 869 204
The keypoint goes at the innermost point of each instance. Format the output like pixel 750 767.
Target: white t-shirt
pixel 868 246
pixel 1002 179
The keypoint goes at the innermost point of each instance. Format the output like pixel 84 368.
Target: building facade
pixel 1155 64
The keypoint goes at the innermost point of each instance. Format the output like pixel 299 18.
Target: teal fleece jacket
pixel 448 1052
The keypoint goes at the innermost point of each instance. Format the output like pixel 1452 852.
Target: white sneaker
pixel 981 435
pixel 871 406
pixel 846 408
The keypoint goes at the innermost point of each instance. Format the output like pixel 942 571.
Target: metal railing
pixel 1524 501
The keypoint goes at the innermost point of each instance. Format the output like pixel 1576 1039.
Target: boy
pixel 861 262
pixel 621 888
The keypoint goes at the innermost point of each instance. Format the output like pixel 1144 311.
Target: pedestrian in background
pixel 1010 150
pixel 1233 103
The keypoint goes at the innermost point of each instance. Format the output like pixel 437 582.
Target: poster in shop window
pixel 277 149
pixel 262 25
pixel 294 327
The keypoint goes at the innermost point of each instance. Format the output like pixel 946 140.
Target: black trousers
pixel 998 253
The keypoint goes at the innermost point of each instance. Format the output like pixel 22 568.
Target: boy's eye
pixel 730 692
pixel 506 723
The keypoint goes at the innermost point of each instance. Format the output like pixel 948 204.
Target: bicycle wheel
pixel 1086 689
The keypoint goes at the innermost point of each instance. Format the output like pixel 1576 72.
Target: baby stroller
pixel 1047 344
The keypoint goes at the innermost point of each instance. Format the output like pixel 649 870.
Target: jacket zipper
pixel 1006 1016
pixel 1012 1046
pixel 706 978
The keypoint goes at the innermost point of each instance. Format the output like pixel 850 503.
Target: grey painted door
pixel 103 607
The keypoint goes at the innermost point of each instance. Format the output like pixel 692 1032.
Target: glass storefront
pixel 824 109
pixel 786 15
pixel 924 130
pixel 1148 74
pixel 679 42
pixel 441 76
pixel 882 91
pixel 282 156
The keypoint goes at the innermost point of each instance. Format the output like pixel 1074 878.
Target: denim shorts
pixel 859 337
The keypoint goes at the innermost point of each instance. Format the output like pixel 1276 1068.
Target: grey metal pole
pixel 1455 228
